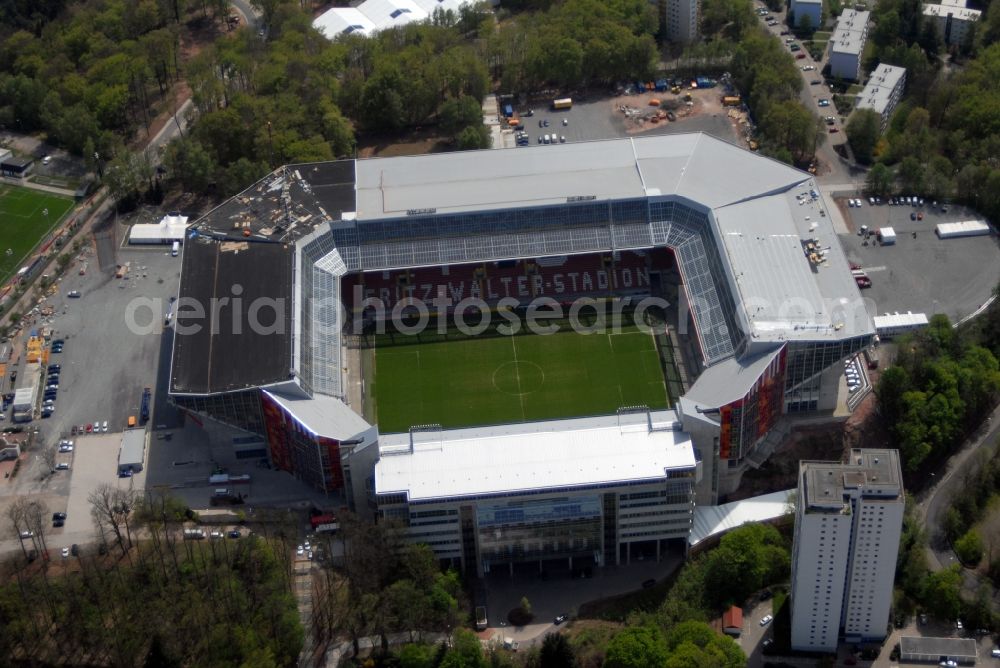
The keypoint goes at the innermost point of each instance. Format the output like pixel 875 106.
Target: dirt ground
pixel 644 117
pixel 419 142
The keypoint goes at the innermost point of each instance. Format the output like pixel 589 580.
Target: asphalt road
pixel 837 169
pixel 937 499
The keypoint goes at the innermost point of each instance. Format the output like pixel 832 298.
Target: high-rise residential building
pixel 883 92
pixel 848 520
pixel 679 19
pixel 848 44
pixel 952 19
pixel 808 12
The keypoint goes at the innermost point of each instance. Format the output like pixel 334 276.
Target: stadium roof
pixel 574 453
pixel 740 224
pixel 687 165
pixel 322 415
pixel 713 520
pixel 212 353
pixel 729 380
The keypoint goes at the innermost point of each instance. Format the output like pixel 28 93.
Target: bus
pixel 562 103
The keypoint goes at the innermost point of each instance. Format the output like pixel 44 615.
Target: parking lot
pixel 920 272
pixel 114 347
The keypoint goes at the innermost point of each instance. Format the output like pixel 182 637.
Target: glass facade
pixel 240 409
pixel 744 422
pixel 806 361
pixel 546 528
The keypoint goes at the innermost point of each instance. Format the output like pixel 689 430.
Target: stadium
pixel 352 315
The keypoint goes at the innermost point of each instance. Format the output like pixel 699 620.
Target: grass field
pixel 23 223
pixel 515 379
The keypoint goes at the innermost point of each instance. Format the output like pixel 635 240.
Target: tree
pixel 456 114
pixel 695 643
pixel 188 162
pixel 474 137
pixel 465 651
pixel 969 548
pixel 942 592
pixel 863 131
pixel 556 652
pixel 879 180
pixel 636 647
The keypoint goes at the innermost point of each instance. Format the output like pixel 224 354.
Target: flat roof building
pixel 883 92
pixel 559 489
pixel 15 167
pixel 847 46
pixel 848 522
pixel 171 228
pixel 889 325
pixel 952 19
pixel 133 451
pixel 932 650
pixel 808 13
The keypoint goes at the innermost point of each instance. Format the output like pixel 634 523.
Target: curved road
pixel 936 501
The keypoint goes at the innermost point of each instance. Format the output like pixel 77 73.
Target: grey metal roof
pixel 322 415
pixel 688 165
pixel 133 447
pixel 937 647
pixel 729 380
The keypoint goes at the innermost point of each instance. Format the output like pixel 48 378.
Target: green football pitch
pixel 23 222
pixel 505 379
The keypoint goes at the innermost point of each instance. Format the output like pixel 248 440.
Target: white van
pixel 176 248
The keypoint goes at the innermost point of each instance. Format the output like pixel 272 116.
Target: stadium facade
pixel 276 273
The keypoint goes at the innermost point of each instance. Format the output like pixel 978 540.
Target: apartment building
pixel 847 46
pixel 848 522
pixel 883 92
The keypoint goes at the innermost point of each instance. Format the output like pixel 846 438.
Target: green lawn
pixel 23 223
pixel 515 379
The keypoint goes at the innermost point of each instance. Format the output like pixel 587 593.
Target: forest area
pixel 145 596
pixel 944 136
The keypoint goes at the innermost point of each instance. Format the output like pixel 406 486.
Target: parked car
pixel 58 516
pixel 824 102
pixel 90 428
pixel 766 619
pixel 73 294
pixel 104 426
pixel 559 620
pixel 62 466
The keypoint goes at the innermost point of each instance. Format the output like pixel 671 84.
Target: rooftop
pixel 212 353
pixel 133 447
pixel 713 520
pixel 870 473
pixel 574 453
pixel 956 12
pixel 907 319
pixel 881 84
pixel 320 414
pixel 956 648
pixel 852 28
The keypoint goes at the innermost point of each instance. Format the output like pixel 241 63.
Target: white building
pixel 894 324
pixel 847 46
pixel 848 521
pixel 953 19
pixel 171 228
pixel 883 92
pixel 813 9
pixel 586 492
pixel 680 19
pixel 374 15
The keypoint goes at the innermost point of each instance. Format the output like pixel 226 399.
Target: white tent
pixel 167 231
pixel 344 21
pixel 887 236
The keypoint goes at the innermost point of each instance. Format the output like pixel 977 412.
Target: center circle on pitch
pixel 518 378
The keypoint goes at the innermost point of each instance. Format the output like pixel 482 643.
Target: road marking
pixel 874 269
